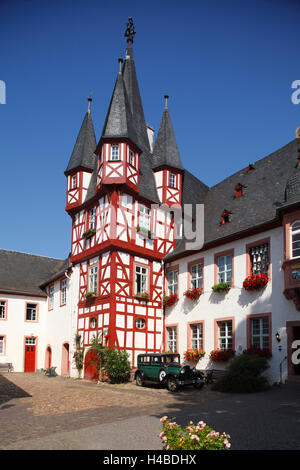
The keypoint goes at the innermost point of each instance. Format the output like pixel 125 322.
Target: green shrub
pixel 117 365
pixel 243 375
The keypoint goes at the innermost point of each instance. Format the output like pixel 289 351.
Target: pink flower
pixel 164 438
pixel 195 437
pixel 163 419
pixel 168 447
pixel 202 424
pixel 228 446
pixel 161 434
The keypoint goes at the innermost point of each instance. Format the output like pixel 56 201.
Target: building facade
pixel 129 252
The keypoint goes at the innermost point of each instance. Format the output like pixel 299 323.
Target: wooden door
pixel 30 348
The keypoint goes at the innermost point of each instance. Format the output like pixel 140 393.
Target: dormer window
pixel 131 157
pixel 114 152
pixel 238 190
pixel 172 180
pixel 250 167
pixel 225 217
pixel 74 182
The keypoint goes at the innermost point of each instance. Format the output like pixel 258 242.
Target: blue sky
pixel 227 66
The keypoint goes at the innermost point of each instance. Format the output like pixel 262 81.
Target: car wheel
pixel 198 386
pixel 139 380
pixel 172 384
pixel 162 375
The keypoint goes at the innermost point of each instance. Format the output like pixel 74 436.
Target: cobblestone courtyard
pixel 38 412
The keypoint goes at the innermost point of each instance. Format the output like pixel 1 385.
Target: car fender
pixel 140 372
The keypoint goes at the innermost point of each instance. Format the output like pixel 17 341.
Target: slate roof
pixel 83 152
pixel 24 273
pixel 272 185
pixel 165 149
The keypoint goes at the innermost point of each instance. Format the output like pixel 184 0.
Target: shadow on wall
pixel 9 391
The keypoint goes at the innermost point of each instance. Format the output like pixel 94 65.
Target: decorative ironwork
pixel 130 31
pixel 260 259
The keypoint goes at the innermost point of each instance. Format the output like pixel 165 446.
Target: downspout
pixel 162 305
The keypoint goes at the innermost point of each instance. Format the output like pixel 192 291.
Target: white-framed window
pixel 131 157
pixel 93 322
pixel 172 278
pixel 224 268
pixel 145 217
pixel 2 310
pixel 51 297
pixel 92 218
pixel 172 338
pixel 93 279
pixel 140 323
pixel 2 344
pixel 74 182
pixel 196 271
pixel 114 152
pixel 141 279
pixel 172 180
pixel 225 335
pixel 197 336
pixel 259 256
pixel 31 312
pixel 260 334
pixel 63 291
pixel 295 234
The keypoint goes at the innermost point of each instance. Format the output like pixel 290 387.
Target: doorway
pixel 65 368
pixel 48 357
pixel 30 353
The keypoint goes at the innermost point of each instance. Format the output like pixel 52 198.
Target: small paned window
pixel 172 180
pixel 2 339
pixel 92 218
pixel 141 279
pixel 296 239
pixel 224 264
pixel 63 292
pixel 197 336
pixel 260 334
pixel 51 297
pixel 31 312
pixel 225 335
pixel 2 310
pixel 172 338
pixel 93 279
pixel 145 217
pixel 196 272
pixel 172 278
pixel 114 152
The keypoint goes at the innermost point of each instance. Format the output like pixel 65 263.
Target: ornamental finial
pixel 130 31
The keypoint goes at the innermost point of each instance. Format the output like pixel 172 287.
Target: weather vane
pixel 130 31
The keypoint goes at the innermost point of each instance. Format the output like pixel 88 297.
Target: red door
pixel 90 366
pixel 29 357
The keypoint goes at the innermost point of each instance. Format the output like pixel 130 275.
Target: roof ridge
pixel 31 254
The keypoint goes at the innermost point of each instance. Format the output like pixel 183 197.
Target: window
pixel 145 217
pixel 93 279
pixel 259 258
pixel 172 338
pixel 31 312
pixel 2 310
pixel 63 292
pixel 131 157
pixel 224 264
pixel 225 219
pixel 141 279
pixel 114 153
pixel 30 340
pixel 238 190
pixel 172 180
pixel 92 218
pixel 197 336
pixel 172 278
pixel 225 335
pixel 196 271
pixel 259 331
pixel 93 323
pixel 51 297
pixel 296 239
pixel 2 344
pixel 140 323
pixel 74 182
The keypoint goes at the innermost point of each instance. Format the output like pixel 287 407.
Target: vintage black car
pixel 166 369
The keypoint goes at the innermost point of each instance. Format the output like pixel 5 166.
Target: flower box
pixel 221 287
pixel 144 232
pixel 261 352
pixel 194 354
pixel 142 295
pixel 255 282
pixel 193 294
pixel 221 355
pixel 89 233
pixel 169 300
pixel 88 295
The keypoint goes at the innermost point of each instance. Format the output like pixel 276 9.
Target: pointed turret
pixel 82 162
pixel 166 150
pixel 167 162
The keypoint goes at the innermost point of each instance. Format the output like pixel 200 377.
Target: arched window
pixel 296 239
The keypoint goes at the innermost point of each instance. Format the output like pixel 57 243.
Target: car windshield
pixel 172 359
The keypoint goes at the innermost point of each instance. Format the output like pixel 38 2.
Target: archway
pixel 48 357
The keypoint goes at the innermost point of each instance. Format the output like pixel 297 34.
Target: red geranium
pixel 262 352
pixel 221 355
pixel 194 354
pixel 170 300
pixel 193 294
pixel 256 281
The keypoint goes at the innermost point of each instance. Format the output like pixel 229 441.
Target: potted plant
pixel 89 233
pixel 88 295
pixel 78 357
pixel 221 355
pixel 193 294
pixel 169 300
pixel 143 295
pixel 255 282
pixel 221 287
pixel 194 354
